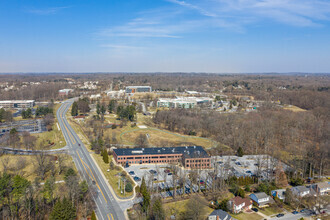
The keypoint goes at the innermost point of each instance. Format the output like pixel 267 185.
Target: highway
pixel 107 208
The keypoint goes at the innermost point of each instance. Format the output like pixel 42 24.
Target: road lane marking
pixel 91 177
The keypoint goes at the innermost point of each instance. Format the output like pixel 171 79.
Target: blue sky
pixel 221 36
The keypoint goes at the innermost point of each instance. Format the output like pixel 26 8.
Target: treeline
pixel 303 136
pixel 80 107
pixel 23 199
pixel 5 115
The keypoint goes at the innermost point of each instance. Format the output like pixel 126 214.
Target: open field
pixel 26 166
pixel 54 136
pixel 272 210
pixel 247 216
pixel 293 108
pixel 175 208
pixel 112 176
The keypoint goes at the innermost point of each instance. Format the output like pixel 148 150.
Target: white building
pixel 300 191
pixel 17 104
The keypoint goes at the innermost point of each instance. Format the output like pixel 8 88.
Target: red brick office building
pixel 191 157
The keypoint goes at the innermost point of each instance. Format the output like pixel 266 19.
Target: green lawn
pixel 179 207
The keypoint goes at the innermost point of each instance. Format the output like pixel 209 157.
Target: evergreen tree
pixel 93 217
pixel 105 156
pixel 129 187
pixel 74 109
pixel 158 212
pixel 63 210
pixel 240 152
pixel 103 110
pixel 111 106
pixel 145 195
pixel 98 108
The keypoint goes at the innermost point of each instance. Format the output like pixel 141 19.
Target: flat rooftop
pixel 16 101
pixel 187 151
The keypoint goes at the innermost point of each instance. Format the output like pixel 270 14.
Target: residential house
pixel 261 199
pixel 300 191
pixel 219 214
pixel 322 188
pixel 279 193
pixel 239 204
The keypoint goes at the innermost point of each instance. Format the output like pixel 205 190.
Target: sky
pixel 218 36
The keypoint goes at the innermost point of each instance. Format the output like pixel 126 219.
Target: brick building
pixel 192 157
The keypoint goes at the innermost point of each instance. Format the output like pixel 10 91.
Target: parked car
pixel 167 171
pixel 280 215
pixel 238 163
pixel 201 182
pixel 220 162
pixel 132 173
pixel 155 179
pixel 249 171
pixel 136 178
pixel 295 212
pixel 154 172
pixel 170 174
pixel 255 209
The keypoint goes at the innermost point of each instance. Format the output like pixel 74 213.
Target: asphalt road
pixel 107 208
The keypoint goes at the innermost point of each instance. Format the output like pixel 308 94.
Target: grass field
pixel 112 176
pixel 54 136
pixel 26 166
pixel 293 108
pixel 247 216
pixel 175 208
pixel 271 210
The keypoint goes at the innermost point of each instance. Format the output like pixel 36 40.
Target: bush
pixel 128 187
pixel 113 126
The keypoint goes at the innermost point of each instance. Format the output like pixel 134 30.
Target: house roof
pixel 261 195
pixel 188 151
pixel 239 200
pixel 323 185
pixel 301 188
pixel 222 214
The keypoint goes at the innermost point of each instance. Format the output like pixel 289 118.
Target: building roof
pixel 323 185
pixel 261 195
pixel 16 101
pixel 301 188
pixel 239 200
pixel 188 151
pixel 134 87
pixel 222 214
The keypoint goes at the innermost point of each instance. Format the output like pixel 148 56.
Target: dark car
pixel 136 178
pixel 155 179
pixel 202 182
pixel 79 144
pixel 249 171
pixel 255 209
pixel 238 163
pixel 295 212
pixel 131 173
pixel 280 215
pixel 170 174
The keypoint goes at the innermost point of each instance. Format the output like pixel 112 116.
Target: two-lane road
pixel 107 207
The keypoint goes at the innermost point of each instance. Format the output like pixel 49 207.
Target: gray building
pixel 134 89
pixel 17 104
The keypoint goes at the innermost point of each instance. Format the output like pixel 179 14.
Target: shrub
pixel 128 187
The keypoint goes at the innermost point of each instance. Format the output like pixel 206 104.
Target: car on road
pixel 238 163
pixel 303 210
pixel 295 212
pixel 132 173
pixel 170 174
pixel 154 172
pixel 255 209
pixel 280 215
pixel 136 178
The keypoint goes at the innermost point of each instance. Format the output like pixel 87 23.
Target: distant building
pixel 239 204
pixel 219 214
pixel 261 199
pixel 183 102
pixel 135 89
pixel 116 94
pixel 65 92
pixel 191 157
pixel 17 104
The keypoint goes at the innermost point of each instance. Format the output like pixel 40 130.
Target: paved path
pixel 107 207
